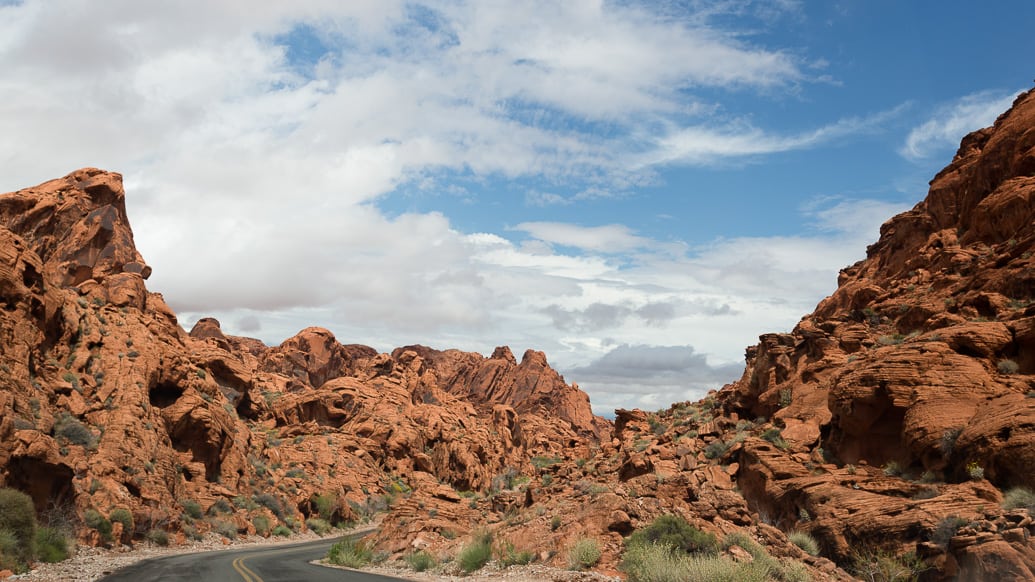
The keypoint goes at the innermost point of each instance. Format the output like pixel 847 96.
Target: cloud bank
pixel 259 139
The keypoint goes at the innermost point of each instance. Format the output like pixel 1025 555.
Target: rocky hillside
pixel 887 425
pixel 106 403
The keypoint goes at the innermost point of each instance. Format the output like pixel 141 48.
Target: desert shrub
pixel 123 516
pixel 93 518
pixel 893 469
pixel 191 532
pixel 651 562
pixel 584 554
pixel 716 449
pixel 555 523
pixel 191 508
pixel 975 471
pixel 420 561
pixel 476 554
pixel 220 506
pixel 262 525
pixel 773 435
pixel 158 537
pixel 675 532
pixel 947 528
pixel 69 427
pixel 1019 497
pixel 326 504
pixel 804 541
pixel 242 502
pixel 272 503
pixel 51 545
pixel 350 553
pixel 320 526
pixel 225 529
pixel 1007 367
pixel 282 531
pixel 883 566
pixel 9 549
pixel 18 517
pixel 659 563
pixel 507 555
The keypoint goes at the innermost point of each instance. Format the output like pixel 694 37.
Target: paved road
pixel 280 563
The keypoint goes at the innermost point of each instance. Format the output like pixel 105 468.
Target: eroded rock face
pixel 106 403
pixel 921 362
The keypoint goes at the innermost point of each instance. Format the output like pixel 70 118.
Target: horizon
pixel 637 189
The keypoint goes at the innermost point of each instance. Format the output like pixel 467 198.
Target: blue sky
pixel 639 189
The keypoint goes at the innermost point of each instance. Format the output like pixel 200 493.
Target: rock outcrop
pixel 909 388
pixel 106 403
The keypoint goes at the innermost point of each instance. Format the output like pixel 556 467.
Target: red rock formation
pixel 106 403
pixel 921 362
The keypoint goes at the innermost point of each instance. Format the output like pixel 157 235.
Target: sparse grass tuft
pixel 1019 497
pixel 584 554
pixel 420 561
pixel 350 553
pixel 804 541
pixel 476 554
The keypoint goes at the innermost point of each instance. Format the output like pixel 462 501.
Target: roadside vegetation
pixel 22 540
pixel 672 550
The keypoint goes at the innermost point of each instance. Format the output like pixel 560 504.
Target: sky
pixel 638 189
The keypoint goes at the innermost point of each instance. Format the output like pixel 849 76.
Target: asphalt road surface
pixel 279 563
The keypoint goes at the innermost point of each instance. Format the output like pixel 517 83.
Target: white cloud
pixel 253 179
pixel 949 123
pixel 610 238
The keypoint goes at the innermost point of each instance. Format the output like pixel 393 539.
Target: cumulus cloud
pixel 257 140
pixel 949 123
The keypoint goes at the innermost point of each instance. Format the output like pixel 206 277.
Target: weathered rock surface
pixel 106 403
pixel 922 362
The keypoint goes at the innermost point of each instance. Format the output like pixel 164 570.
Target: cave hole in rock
pixel 164 394
pixel 48 484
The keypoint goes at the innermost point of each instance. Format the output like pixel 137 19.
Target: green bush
pixel 326 504
pixel 584 554
pixel 9 549
pixel 804 541
pixel 51 545
pixel 69 427
pixel 350 553
pixel 420 561
pixel 716 449
pixel 17 516
pixel 123 516
pixel 272 503
pixel 674 531
pixel 282 531
pixel 507 555
pixel 220 506
pixel 476 554
pixel 883 566
pixel 192 533
pixel 947 528
pixel 93 519
pixel 262 525
pixel 225 529
pixel 1019 497
pixel 659 563
pixel 158 537
pixel 320 526
pixel 191 508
